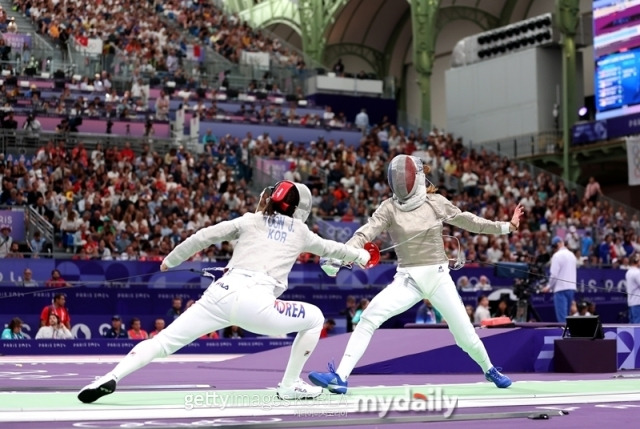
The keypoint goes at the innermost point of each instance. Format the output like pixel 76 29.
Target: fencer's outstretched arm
pixel 332 249
pixel 377 224
pixel 223 231
pixel 472 223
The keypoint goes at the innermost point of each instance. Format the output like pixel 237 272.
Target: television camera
pixel 528 279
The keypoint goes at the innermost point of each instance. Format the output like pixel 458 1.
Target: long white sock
pixel 141 355
pixel 478 353
pixel 302 347
pixel 358 343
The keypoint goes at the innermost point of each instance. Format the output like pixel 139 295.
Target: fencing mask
pixel 304 206
pixel 292 199
pixel 407 181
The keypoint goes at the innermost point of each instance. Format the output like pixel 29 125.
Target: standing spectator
pixel 427 314
pixel 54 330
pixel 362 121
pixel 482 311
pixel 5 240
pixel 27 279
pixel 562 279
pixel 14 330
pixel 56 280
pixel 328 326
pixel 604 250
pixel 57 307
pixel 116 330
pixel 586 246
pixel 592 190
pixel 633 289
pixel 136 333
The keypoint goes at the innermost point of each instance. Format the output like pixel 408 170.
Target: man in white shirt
pixel 562 279
pixel 482 311
pixel 362 121
pixel 633 288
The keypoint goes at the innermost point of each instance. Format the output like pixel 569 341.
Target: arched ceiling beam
pixel 371 56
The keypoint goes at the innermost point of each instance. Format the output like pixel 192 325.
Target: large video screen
pixel 616 51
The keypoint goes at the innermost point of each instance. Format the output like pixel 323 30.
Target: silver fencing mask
pixel 304 206
pixel 406 177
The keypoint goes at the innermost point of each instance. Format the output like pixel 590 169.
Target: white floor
pixel 112 358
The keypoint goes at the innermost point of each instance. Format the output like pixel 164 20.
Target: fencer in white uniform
pixel 414 218
pixel 268 245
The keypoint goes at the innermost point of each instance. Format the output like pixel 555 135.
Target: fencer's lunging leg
pixel 258 311
pixel 394 299
pixel 304 344
pixel 446 300
pixel 194 323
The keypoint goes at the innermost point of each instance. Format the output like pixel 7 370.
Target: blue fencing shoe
pixel 499 379
pixel 329 380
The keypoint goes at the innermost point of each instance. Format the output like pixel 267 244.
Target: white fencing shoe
pixel 298 390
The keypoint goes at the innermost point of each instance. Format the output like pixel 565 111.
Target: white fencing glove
pixel 330 266
pixel 363 257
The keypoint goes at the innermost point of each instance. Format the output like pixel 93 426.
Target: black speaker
pixel 583 327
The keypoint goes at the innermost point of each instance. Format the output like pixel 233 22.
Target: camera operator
pixel 562 280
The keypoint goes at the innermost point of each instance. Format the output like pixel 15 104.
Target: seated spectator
pixel 503 310
pixel 27 279
pixel 482 311
pixel 427 314
pixel 5 240
pixel 56 280
pixel 14 330
pixel 116 330
pixel 362 305
pixel 211 336
pixel 469 309
pixel 159 326
pixel 14 251
pixel 583 308
pixel 483 284
pixel 349 312
pixel 573 309
pixel 233 332
pixel 55 330
pixel 136 333
pixel 176 309
pixel 37 244
pixel 58 307
pixel 327 327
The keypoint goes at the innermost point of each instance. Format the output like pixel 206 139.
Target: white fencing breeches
pixel 410 286
pixel 239 298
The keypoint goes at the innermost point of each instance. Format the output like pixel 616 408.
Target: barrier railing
pixel 21 142
pixel 36 222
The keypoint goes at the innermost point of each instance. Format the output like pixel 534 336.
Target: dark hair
pixel 481 297
pixel 15 322
pixel 52 313
pixel 287 205
pixel 330 322
pixel 134 320
pixel 58 296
